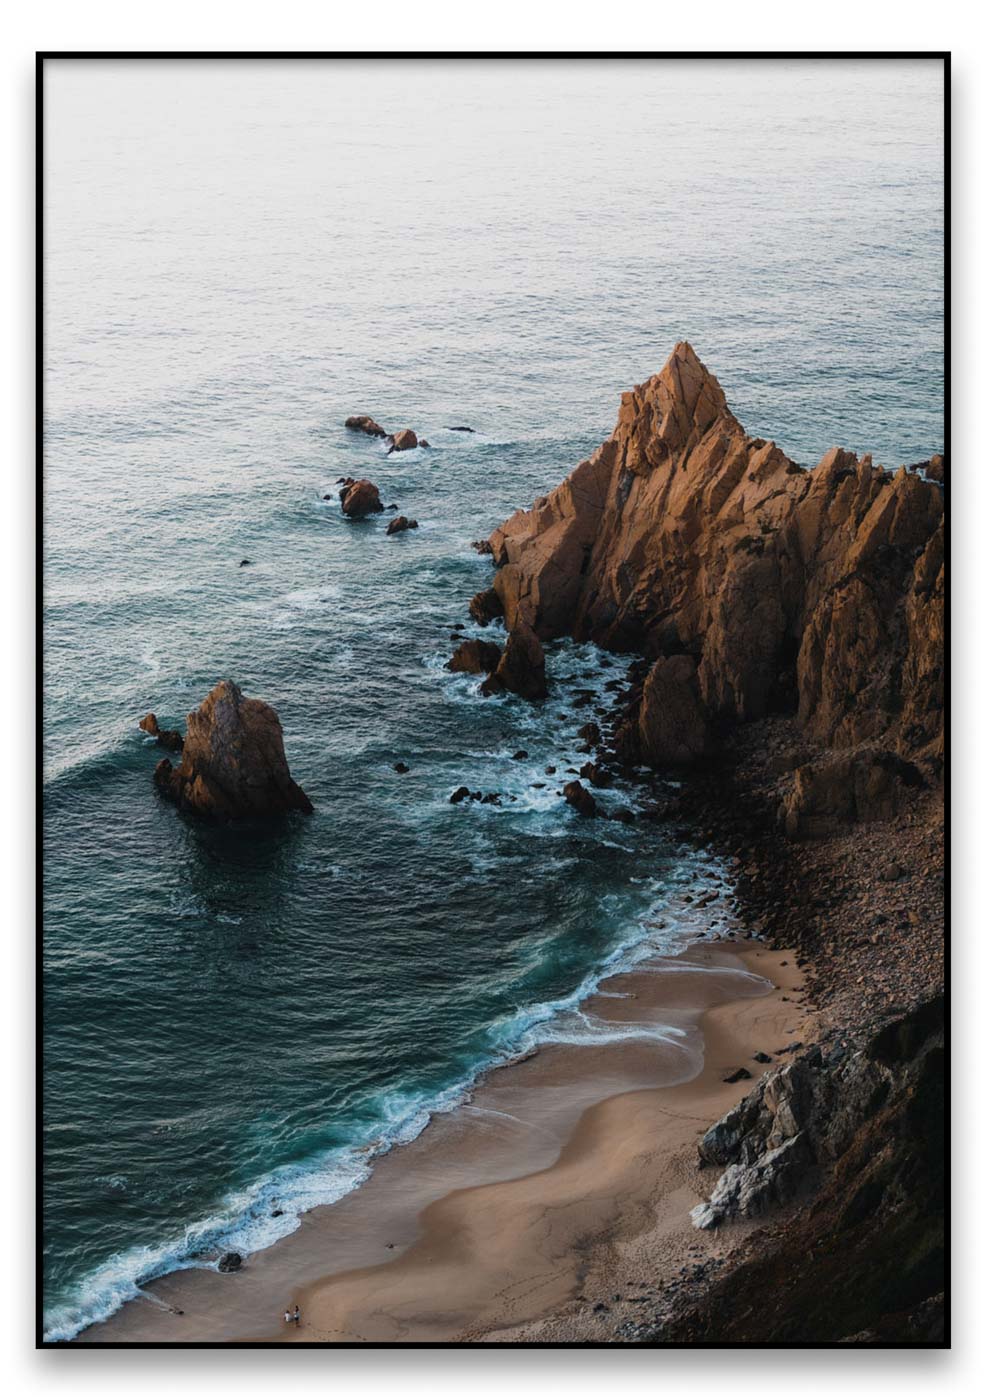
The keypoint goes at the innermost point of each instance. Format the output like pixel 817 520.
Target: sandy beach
pixel 565 1180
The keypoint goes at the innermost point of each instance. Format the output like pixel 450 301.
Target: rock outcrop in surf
pixel 167 738
pixel 360 498
pixel 363 423
pixel 751 584
pixel 233 761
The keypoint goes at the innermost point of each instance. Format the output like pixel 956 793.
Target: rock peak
pixel 233 760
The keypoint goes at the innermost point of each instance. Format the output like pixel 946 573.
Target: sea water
pixel 237 1021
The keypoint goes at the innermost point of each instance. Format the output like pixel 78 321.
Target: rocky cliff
pixel 818 591
pixel 855 1129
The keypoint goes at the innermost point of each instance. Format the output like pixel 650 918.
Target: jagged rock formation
pixel 863 1123
pixel 233 762
pixel 682 536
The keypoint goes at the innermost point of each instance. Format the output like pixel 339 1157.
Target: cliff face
pixel 681 535
pixel 863 1262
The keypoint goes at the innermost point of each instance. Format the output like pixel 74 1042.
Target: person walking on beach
pixel 288 1317
pixel 297 1316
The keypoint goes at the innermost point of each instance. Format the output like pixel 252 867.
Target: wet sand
pixel 567 1178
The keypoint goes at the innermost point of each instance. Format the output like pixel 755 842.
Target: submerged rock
pixel 360 498
pixel 460 429
pixel 233 762
pixel 361 423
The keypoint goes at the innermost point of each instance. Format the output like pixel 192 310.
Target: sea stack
pixel 233 763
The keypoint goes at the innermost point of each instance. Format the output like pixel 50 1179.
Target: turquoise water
pixel 235 260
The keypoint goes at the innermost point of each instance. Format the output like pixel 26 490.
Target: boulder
pixel 403 441
pixel 671 725
pixel 580 799
pixel 361 423
pixel 522 667
pixel 229 1263
pixel 832 792
pixel 400 523
pixel 475 658
pixel 360 498
pixel 233 762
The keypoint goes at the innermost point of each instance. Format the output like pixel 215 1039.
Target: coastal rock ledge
pixel 233 761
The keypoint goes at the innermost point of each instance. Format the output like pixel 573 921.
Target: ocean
pixel 238 1021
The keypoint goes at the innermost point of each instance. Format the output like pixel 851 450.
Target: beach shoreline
pixel 564 1178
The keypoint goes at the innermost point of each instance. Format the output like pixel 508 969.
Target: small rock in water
pixel 403 441
pixel 460 429
pixel 460 794
pixel 402 768
pixel 580 799
pixel 522 753
pixel 363 423
pixel 400 523
pixel 244 562
pixel 360 499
